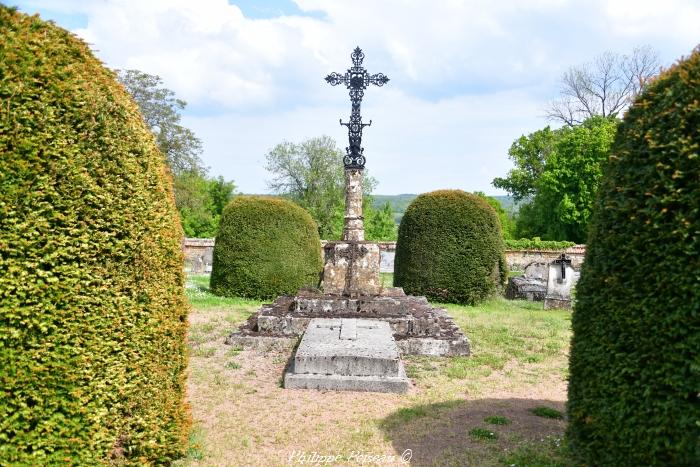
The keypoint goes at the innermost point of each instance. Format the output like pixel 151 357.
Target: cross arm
pixel 379 79
pixel 335 79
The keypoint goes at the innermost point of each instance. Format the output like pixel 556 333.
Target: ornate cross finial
pixel 356 79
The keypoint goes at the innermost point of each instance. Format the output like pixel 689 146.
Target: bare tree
pixel 605 86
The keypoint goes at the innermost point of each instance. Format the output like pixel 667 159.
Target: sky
pixel 467 78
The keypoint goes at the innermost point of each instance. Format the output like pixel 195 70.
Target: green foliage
pixel 93 315
pixel 313 176
pixel 635 365
pixel 536 244
pixel 507 223
pixel 450 248
pixel 566 188
pixel 265 247
pixel 379 223
pixel 546 412
pixel 201 201
pixel 529 154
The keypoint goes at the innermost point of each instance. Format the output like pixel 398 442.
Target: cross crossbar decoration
pixel 356 79
pixel 563 261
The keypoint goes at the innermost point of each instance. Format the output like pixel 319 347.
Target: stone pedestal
pixel 352 265
pixel 351 268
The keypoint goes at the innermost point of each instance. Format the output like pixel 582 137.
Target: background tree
pixel 199 198
pixel 507 222
pixel 161 112
pixel 380 224
pixel 566 189
pixel 529 154
pixel 311 174
pixel 604 87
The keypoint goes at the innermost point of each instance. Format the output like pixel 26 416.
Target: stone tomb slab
pixel 347 355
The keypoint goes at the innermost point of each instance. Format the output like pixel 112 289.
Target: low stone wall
pixel 518 260
pixel 198 255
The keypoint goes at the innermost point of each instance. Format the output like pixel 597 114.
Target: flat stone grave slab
pixel 347 355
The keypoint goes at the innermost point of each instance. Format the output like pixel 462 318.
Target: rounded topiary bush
pixel 450 248
pixel 635 352
pixel 265 247
pixel 92 307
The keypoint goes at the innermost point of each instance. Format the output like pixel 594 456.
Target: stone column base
pixel 352 268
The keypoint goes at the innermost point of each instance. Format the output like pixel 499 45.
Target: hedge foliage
pixel 265 247
pixel 450 248
pixel 635 354
pixel 93 314
pixel 537 244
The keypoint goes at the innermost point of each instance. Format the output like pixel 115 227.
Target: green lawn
pixel 486 409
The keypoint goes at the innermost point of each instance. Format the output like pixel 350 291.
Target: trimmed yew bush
pixel 635 352
pixel 450 248
pixel 265 247
pixel 93 314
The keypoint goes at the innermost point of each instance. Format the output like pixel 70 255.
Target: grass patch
pixel 387 279
pixel 406 414
pixel 200 296
pixel 549 453
pixel 233 365
pixel 203 352
pixel 482 434
pixel 497 420
pixel 547 412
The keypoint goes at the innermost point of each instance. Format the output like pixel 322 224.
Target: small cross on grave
pixel 563 261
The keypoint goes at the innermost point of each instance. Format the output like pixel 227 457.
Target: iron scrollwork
pixel 356 79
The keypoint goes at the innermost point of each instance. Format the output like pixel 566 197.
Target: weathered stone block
pixel 521 287
pixel 352 268
pixel 347 354
pixel 357 347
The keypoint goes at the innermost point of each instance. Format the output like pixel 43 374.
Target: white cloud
pixel 467 77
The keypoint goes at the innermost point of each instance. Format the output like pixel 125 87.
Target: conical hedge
pixel 450 248
pixel 265 247
pixel 635 353
pixel 92 307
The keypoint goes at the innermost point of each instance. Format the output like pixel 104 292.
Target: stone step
pixel 354 347
pixel 347 355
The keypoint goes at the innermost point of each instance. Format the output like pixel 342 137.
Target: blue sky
pixel 467 77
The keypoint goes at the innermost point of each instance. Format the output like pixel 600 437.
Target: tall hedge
pixel 635 353
pixel 265 247
pixel 92 305
pixel 450 248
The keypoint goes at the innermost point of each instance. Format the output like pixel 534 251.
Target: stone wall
pixel 198 255
pixel 518 260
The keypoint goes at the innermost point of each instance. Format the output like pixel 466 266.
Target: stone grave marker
pixel 561 280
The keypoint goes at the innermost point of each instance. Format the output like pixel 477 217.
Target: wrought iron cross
pixel 563 261
pixel 356 79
